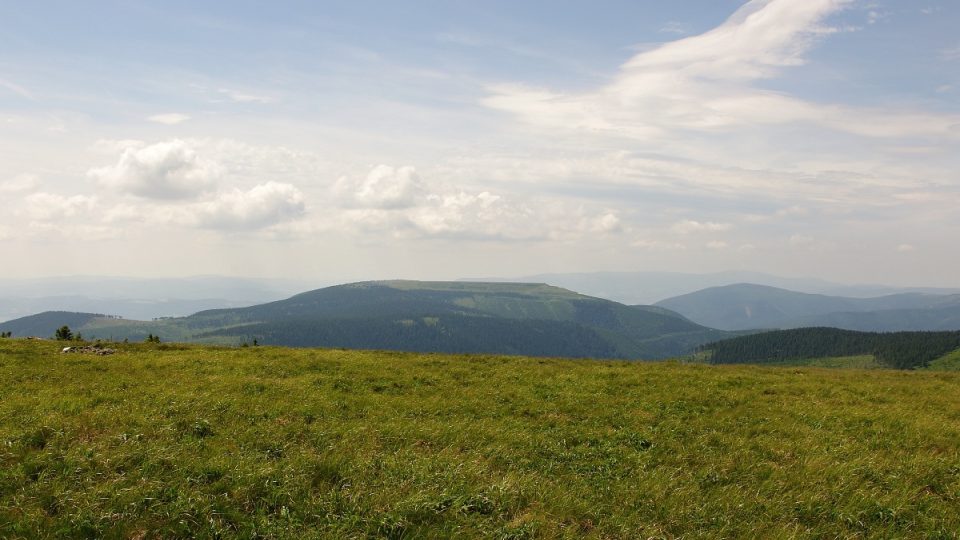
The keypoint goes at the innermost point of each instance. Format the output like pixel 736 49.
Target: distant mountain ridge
pixel 650 287
pixel 507 318
pixel 750 306
pixel 137 298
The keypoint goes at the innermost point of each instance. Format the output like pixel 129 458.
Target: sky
pixel 438 139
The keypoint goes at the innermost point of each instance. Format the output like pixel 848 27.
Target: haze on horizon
pixel 341 141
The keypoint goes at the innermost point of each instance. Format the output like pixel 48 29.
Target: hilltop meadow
pixel 166 441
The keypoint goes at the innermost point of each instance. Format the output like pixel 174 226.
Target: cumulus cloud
pixel 170 119
pixel 482 215
pixel 261 206
pixel 606 222
pixel 384 187
pixel 397 201
pixel 454 214
pixel 166 170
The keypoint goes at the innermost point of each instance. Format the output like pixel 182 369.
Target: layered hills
pixel 649 287
pixel 457 317
pixel 749 306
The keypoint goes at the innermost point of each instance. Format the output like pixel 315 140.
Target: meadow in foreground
pixel 192 441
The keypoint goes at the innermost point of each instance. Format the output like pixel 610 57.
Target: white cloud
pixel 607 222
pixel 717 244
pixel 44 206
pixel 170 119
pixel 261 206
pixel 705 83
pixel 126 213
pixel 674 27
pixel 953 53
pixel 689 226
pixel 479 214
pixel 166 170
pixel 783 213
pixel 874 16
pixel 17 89
pixel 398 202
pixel 657 245
pixel 244 97
pixel 116 146
pixel 905 248
pixel 384 187
pixel 19 183
pixel 757 40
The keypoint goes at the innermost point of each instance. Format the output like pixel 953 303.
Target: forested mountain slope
pixel 516 318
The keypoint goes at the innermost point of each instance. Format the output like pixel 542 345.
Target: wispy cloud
pixel 244 97
pixel 19 183
pixel 801 240
pixel 170 119
pixel 707 83
pixel 689 226
pixel 17 89
pixel 676 28
pixel 874 16
pixel 951 54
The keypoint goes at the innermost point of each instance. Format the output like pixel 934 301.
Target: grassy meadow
pixel 192 441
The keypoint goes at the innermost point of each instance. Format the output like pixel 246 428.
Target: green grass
pixel 864 361
pixel 947 362
pixel 191 441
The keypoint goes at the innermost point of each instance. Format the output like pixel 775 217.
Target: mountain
pixel 889 320
pixel 651 287
pixel 137 298
pixel 503 318
pixel 45 324
pixel 744 306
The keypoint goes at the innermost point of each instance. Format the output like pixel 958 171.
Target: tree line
pixel 901 350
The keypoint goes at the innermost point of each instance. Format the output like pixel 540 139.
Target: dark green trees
pixel 64 333
pixel 901 350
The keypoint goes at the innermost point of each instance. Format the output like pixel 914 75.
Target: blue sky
pixel 360 140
